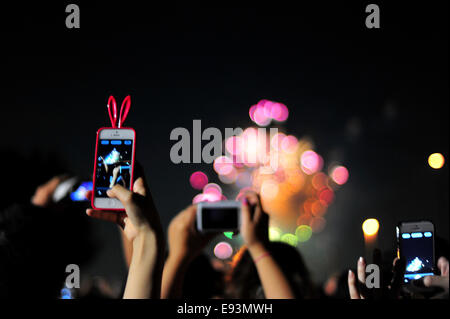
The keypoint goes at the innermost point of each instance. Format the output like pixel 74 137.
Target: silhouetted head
pixel 244 282
pixel 202 280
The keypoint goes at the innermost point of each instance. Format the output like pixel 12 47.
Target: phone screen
pixel 79 195
pixel 417 249
pixel 114 165
pixel 220 218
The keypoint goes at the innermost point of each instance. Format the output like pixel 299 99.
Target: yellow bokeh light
pixel 436 160
pixel 275 233
pixel 370 226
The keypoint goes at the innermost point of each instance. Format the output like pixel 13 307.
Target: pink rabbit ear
pixel 125 108
pixel 112 104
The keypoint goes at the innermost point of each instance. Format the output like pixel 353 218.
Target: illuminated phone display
pixel 114 165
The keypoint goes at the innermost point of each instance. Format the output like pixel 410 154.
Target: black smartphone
pixel 218 216
pixel 416 245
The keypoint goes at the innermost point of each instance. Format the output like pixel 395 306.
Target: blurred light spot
pixel 339 175
pixel 228 234
pixel 233 145
pixel 230 177
pixel 289 239
pixel 223 250
pixel 279 112
pixel 370 226
pixel 198 180
pixel 276 141
pixel 303 233
pixel 275 233
pixel 198 198
pixel 66 293
pixel 317 209
pixel 436 160
pixel 304 219
pixel 317 224
pixel 269 189
pixel 326 195
pixel 212 188
pixel 260 118
pixel 243 179
pixel 289 144
pixel 310 162
pixel 223 165
pixel 319 181
pixel 252 110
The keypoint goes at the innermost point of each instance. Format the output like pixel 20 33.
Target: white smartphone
pixel 416 245
pixel 114 164
pixel 218 216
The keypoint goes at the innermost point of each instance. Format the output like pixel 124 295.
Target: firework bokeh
pixel 295 188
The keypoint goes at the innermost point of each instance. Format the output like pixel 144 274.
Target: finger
pixel 89 195
pixel 436 281
pixel 361 270
pixel 397 276
pixel 252 197
pixel 139 173
pixel 245 213
pixel 352 288
pixel 109 216
pixel 443 266
pixel 258 214
pixel 54 182
pixel 190 215
pixel 252 201
pixel 139 187
pixel 121 193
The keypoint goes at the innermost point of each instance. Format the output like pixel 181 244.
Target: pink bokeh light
pixel 223 250
pixel 311 162
pixel 339 175
pixel 198 180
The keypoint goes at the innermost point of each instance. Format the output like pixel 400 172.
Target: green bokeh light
pixel 303 233
pixel 275 233
pixel 228 234
pixel 290 239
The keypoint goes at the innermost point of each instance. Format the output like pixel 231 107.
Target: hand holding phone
pixel 220 216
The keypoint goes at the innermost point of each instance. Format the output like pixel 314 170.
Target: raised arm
pixel 254 231
pixel 143 229
pixel 185 243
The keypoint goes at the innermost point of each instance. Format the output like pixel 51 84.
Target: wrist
pixel 256 249
pixel 178 259
pixel 148 245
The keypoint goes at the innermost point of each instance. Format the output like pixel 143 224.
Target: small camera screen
pixel 417 249
pixel 220 218
pixel 114 165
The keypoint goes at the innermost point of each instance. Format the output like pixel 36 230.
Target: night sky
pixel 373 100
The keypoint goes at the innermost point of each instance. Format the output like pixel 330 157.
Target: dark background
pixel 374 100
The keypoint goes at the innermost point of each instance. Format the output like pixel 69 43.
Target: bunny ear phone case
pixel 114 157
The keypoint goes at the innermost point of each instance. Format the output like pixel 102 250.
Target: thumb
pixel 121 193
pixel 436 281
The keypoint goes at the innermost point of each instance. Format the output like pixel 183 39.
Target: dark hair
pixel 201 280
pixel 243 282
